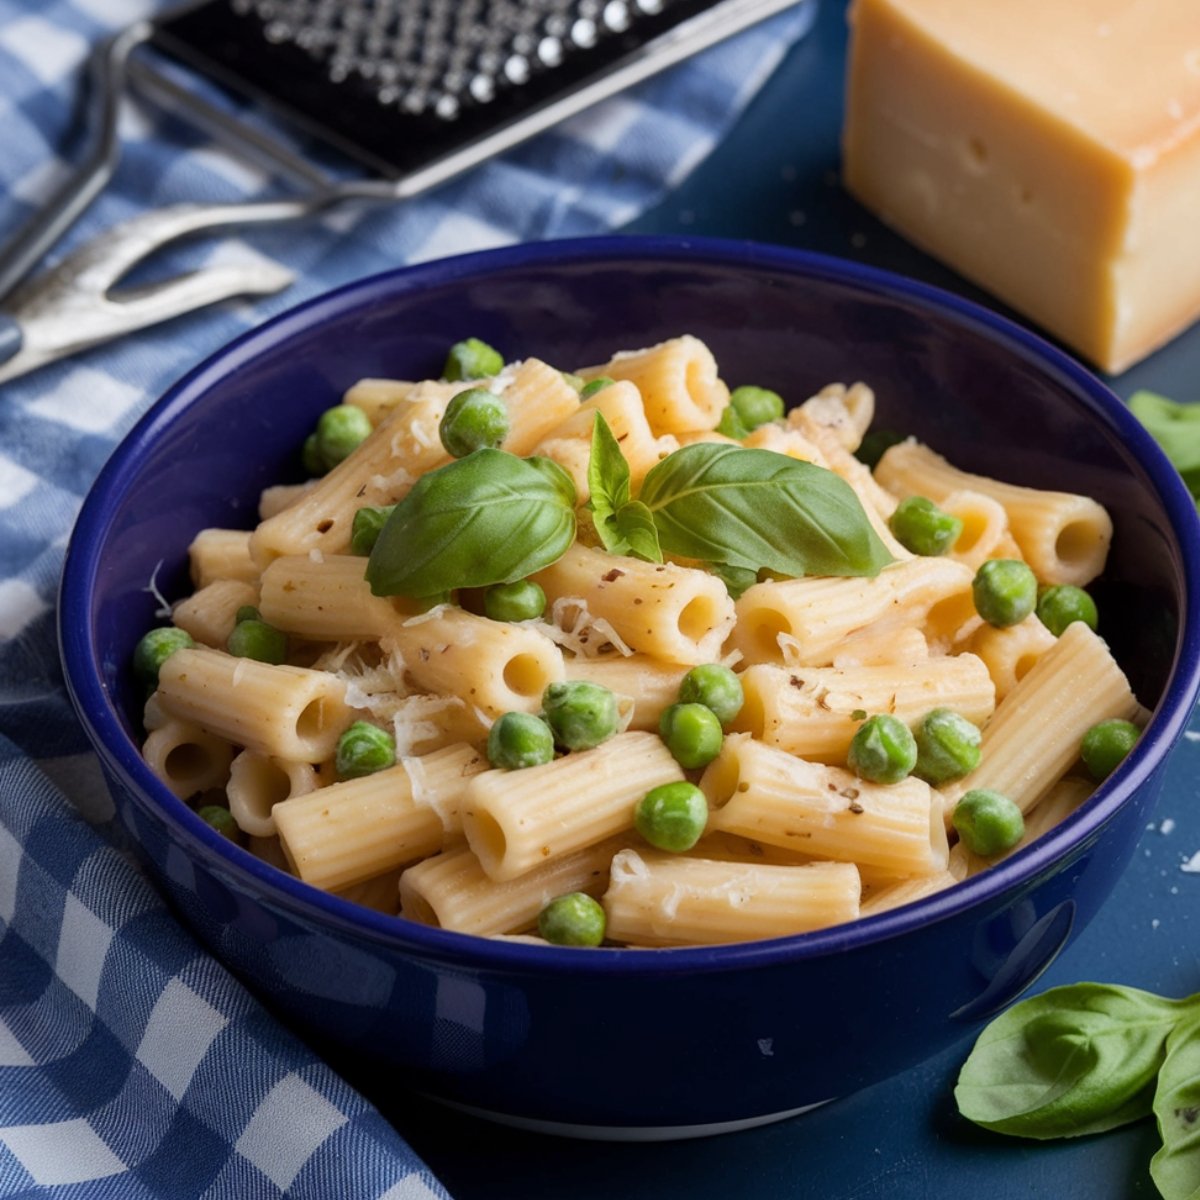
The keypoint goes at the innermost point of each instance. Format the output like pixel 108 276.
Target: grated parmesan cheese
pixel 164 608
pixel 315 555
pixel 573 627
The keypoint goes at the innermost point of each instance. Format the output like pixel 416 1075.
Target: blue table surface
pixel 775 179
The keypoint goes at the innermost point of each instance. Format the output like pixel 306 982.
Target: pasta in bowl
pixel 829 662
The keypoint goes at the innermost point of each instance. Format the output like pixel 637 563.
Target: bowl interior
pixel 984 394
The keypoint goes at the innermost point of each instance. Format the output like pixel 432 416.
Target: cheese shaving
pixel 573 627
pixel 164 608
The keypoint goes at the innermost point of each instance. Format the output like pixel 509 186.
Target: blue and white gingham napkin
pixel 131 1064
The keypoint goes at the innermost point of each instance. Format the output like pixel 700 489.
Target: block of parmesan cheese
pixel 1049 150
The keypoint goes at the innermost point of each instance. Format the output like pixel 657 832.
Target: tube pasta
pixel 285 712
pixel 328 599
pixel 221 554
pixel 1063 537
pixel 379 397
pixel 651 684
pixel 210 614
pixel 809 711
pixel 659 900
pixel 1011 653
pixel 1033 739
pixel 275 499
pixel 905 891
pixel 452 890
pixel 621 406
pixel 186 758
pixel 771 796
pixel 517 820
pixel 677 380
pixel 381 471
pixel 821 613
pixel 673 613
pixel 350 832
pixel 257 783
pixel 984 531
pixel 496 667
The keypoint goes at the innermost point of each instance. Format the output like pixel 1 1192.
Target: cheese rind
pixel 1047 149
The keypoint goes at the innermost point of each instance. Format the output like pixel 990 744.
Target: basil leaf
pixel 638 532
pixel 1176 428
pixel 490 517
pixel 1075 1060
pixel 736 579
pixel 608 482
pixel 1175 1169
pixel 755 508
pixel 625 526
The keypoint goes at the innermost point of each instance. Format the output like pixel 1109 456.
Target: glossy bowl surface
pixel 630 1040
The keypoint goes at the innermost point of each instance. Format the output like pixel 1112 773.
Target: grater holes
pixel 440 58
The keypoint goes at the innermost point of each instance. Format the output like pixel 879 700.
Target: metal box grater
pixel 398 84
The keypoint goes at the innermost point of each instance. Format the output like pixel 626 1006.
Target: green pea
pixel 362 750
pixel 155 648
pixel 692 733
pixel 367 525
pixel 875 444
pixel 1062 605
pixel 340 431
pixel 310 456
pixel 472 359
pixel 258 640
pixel 221 819
pixel 756 406
pixel 520 601
pixel 883 750
pixel 988 822
pixel 474 419
pixel 1106 745
pixel 593 386
pixel 518 740
pixel 573 920
pixel 1005 591
pixel 715 687
pixel 731 425
pixel 581 714
pixel 923 528
pixel 947 746
pixel 672 816
pixel 247 613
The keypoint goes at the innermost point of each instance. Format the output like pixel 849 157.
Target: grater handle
pixel 23 251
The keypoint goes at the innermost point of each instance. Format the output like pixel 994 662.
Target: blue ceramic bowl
pixel 621 1041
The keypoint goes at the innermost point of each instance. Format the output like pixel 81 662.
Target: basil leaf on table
pixel 755 508
pixel 1175 1169
pixel 624 526
pixel 490 517
pixel 1176 428
pixel 1074 1060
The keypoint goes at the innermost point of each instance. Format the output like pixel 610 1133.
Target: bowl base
pixel 630 1133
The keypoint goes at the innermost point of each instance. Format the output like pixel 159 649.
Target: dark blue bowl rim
pixel 96 712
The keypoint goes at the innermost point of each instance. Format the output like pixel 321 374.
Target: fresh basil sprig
pixel 755 509
pixel 1176 428
pixel 490 517
pixel 735 509
pixel 624 525
pixel 1087 1058
pixel 1175 1169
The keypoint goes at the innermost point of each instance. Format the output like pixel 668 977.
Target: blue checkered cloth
pixel 131 1064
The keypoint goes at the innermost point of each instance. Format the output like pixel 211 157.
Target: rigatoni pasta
pixel 409 752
